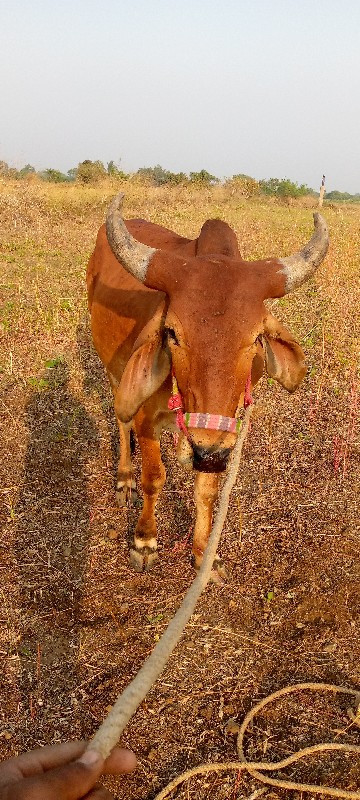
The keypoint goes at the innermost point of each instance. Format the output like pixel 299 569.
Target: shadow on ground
pixel 95 380
pixel 51 545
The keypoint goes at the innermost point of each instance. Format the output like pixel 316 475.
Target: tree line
pixel 91 172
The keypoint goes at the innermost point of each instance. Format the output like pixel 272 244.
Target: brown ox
pixel 160 303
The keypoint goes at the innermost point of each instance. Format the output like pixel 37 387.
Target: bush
pixel 158 176
pixel 26 172
pixel 177 177
pixel 203 177
pixel 342 197
pixel 243 185
pixel 284 188
pixel 71 174
pixel 4 169
pixel 90 171
pixel 7 172
pixel 114 172
pixel 53 176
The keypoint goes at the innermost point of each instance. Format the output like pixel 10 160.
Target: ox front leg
pixel 143 553
pixel 206 493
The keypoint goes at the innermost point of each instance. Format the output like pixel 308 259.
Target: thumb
pixel 81 775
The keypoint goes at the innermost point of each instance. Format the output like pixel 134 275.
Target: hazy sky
pixel 264 87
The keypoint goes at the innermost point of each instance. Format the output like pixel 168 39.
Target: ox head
pixel 213 329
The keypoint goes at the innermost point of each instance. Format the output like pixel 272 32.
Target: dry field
pixel 76 622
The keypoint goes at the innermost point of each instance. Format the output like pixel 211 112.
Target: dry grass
pixel 76 623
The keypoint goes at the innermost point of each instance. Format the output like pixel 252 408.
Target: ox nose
pixel 210 460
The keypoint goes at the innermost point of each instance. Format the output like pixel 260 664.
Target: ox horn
pixel 299 267
pixel 133 255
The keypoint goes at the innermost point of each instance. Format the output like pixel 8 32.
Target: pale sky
pixel 270 88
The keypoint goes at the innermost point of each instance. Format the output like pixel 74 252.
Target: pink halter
pixel 214 422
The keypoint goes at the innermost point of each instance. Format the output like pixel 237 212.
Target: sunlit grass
pixel 291 536
pixel 49 230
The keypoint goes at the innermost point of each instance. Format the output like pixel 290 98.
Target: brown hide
pixel 216 237
pixel 214 307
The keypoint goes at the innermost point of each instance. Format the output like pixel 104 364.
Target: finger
pixel 68 782
pixel 40 760
pixel 120 761
pixel 99 793
pixel 74 780
pixel 53 756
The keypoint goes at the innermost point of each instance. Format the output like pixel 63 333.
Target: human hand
pixel 61 772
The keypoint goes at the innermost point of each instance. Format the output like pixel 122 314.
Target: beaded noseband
pixel 214 422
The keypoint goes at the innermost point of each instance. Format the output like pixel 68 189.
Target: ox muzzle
pixel 210 459
pixel 201 457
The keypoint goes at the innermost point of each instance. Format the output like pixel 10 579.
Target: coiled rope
pixel 257 768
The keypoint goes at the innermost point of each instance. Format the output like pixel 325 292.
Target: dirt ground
pixel 76 621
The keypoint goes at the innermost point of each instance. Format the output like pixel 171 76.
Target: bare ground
pixel 76 622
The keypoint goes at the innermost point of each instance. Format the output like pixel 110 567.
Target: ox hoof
pixel 142 559
pixel 126 494
pixel 218 573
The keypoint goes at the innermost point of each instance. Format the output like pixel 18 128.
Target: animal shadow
pixel 51 547
pixel 95 380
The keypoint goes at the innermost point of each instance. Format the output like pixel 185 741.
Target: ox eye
pixel 170 334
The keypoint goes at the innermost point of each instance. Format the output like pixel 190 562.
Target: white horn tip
pixel 116 203
pixel 319 221
pixel 299 267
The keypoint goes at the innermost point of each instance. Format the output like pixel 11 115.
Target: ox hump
pixel 217 238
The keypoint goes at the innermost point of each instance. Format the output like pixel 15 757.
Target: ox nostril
pixel 208 460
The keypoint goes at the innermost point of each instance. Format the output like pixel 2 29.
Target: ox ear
pixel 144 373
pixel 284 358
pixel 147 368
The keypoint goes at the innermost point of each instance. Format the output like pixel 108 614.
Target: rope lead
pixel 127 703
